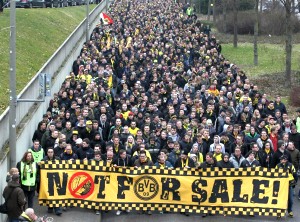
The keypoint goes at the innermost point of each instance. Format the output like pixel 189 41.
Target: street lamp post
pixel 12 85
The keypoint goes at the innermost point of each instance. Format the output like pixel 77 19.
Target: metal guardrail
pixel 57 67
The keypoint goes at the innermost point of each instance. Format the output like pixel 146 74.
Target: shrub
pixel 270 23
pixel 295 97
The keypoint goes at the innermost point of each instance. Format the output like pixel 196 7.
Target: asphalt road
pixel 85 215
pixel 111 217
pixel 74 214
pixel 176 217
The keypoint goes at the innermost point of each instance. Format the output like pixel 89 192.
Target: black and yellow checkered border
pixel 274 212
pixel 210 172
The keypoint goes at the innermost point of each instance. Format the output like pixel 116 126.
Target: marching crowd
pixel 154 89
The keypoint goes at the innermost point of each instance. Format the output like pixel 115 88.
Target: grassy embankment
pixel 39 33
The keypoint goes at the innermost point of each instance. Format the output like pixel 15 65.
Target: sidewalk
pixel 72 214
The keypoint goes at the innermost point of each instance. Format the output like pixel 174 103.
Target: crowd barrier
pixel 89 184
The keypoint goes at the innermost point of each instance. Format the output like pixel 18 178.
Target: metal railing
pixel 59 65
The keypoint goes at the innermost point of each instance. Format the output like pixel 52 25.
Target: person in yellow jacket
pixel 218 155
pixel 197 153
pixel 286 165
pixel 29 215
pixel 29 176
pixel 189 11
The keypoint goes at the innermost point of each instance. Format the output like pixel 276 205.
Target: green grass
pixel 271 57
pixel 39 33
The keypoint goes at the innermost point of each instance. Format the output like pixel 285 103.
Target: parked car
pixel 56 3
pixel 80 2
pixel 30 3
pixel 71 2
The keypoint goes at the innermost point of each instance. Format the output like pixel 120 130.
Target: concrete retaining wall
pixel 29 114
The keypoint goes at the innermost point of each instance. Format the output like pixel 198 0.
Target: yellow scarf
pixel 162 165
pixel 184 163
pixel 110 81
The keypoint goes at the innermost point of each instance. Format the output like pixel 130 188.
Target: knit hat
pixel 226 154
pixel 260 120
pixel 193 155
pixel 283 157
pixel 185 152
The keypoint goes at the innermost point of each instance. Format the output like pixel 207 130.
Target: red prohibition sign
pixel 81 185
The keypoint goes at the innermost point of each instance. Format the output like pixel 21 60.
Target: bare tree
pixel 235 17
pixel 214 11
pixel 200 6
pixel 288 41
pixel 208 10
pixel 256 33
pixel 224 12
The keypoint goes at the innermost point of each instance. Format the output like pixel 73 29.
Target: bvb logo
pixel 146 188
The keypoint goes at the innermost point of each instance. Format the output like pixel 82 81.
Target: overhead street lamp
pixel 45 90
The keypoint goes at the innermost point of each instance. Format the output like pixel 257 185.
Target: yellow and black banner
pixel 249 191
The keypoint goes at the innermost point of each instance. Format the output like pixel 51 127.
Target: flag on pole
pixel 105 19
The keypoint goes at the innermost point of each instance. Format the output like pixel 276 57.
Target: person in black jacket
pixel 14 197
pixel 225 163
pixel 60 148
pixel 50 157
pixel 68 154
pixel 258 153
pixel 88 131
pixel 85 152
pixel 210 161
pixel 122 160
pixel 39 132
pixel 294 136
pixel 250 161
pixel 280 152
pixel 51 141
pixel 184 161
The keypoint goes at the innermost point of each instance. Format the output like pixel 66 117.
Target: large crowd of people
pixel 154 89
